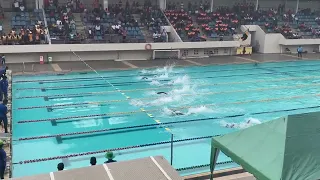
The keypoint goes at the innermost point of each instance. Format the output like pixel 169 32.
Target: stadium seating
pixel 114 26
pixel 183 24
pixel 61 25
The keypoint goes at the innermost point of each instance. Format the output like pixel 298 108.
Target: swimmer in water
pixel 175 113
pixel 162 93
pixel 230 126
pixel 255 64
pixel 144 78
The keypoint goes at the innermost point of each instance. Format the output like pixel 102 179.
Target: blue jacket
pixel 3 111
pixel 3 158
pixel 4 86
pixel 2 70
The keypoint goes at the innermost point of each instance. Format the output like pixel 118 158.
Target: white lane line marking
pixel 108 172
pixel 129 64
pixel 248 59
pixel 160 168
pixel 192 62
pixel 56 67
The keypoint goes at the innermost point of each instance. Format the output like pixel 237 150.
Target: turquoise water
pixel 210 97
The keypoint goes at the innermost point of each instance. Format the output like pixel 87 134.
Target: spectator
pixel 16 6
pixel 60 167
pixel 4 87
pixel 110 156
pixel 299 50
pixel 3 160
pixel 93 161
pixel 3 59
pixel 3 114
pixel 22 8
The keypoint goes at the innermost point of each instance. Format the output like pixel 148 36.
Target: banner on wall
pixel 244 50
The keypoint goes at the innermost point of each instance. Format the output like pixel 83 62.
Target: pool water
pixel 210 98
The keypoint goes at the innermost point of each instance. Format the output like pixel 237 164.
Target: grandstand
pixel 148 21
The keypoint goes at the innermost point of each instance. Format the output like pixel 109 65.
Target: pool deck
pixel 64 67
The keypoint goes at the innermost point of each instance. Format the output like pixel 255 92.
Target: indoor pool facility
pixel 135 113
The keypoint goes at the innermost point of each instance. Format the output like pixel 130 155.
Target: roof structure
pixel 282 149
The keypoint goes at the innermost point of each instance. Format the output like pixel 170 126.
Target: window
pixel 226 51
pixel 216 51
pixel 206 52
pixel 185 53
pixel 195 52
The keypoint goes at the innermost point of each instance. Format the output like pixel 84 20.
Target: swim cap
pixel 109 155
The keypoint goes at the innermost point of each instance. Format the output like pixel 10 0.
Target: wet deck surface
pixel 63 67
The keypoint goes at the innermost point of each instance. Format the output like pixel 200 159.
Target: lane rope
pixel 176 73
pixel 130 83
pixel 154 98
pixel 113 149
pixel 200 85
pixel 159 109
pixel 160 124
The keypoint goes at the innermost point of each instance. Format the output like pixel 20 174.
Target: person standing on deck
pixel 3 59
pixel 3 160
pixel 93 161
pixel 3 70
pixel 3 114
pixel 110 156
pixel 4 87
pixel 299 50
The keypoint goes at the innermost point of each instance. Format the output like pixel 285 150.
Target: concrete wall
pixel 271 43
pixel 257 37
pixel 130 51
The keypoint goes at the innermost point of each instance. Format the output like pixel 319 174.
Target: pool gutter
pixel 8 136
pixel 217 174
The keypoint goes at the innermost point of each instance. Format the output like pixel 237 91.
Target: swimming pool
pixel 88 114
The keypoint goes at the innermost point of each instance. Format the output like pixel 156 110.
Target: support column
pixel 37 4
pixel 211 6
pixel 105 4
pixel 297 9
pixel 162 4
pixel 257 4
pixel 40 4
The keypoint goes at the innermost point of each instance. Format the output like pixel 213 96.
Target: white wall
pixel 271 43
pixel 257 37
pixel 129 51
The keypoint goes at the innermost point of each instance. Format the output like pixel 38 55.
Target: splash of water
pixel 198 110
pixel 155 83
pixel 165 70
pixel 242 125
pixel 180 80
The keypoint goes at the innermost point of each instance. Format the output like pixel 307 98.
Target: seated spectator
pixel 60 167
pixel 16 6
pixel 110 156
pixel 22 8
pixel 93 161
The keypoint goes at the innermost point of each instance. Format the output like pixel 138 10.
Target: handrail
pixel 46 25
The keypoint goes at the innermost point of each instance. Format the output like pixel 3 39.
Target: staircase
pixel 196 25
pixel 79 23
pixel 145 32
pixel 6 25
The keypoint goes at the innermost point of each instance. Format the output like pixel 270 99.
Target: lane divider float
pixel 154 98
pixel 176 73
pixel 113 149
pixel 159 123
pixel 90 85
pixel 159 109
